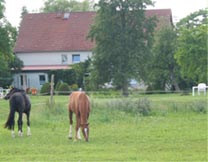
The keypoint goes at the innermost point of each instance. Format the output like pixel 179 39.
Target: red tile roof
pixel 45 32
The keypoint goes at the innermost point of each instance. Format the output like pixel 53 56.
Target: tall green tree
pixel 2 8
pixel 82 73
pixel 123 37
pixel 164 69
pixel 24 11
pixel 67 5
pixel 7 40
pixel 191 54
pixel 4 48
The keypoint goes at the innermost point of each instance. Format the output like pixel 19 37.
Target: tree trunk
pixel 125 91
pixel 174 82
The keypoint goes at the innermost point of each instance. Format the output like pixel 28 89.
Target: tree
pixel 2 8
pixel 24 11
pixel 82 72
pixel 68 76
pixel 7 40
pixel 123 37
pixel 65 5
pixel 164 69
pixel 191 54
pixel 5 75
pixel 16 64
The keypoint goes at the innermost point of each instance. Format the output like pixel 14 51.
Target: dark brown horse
pixel 20 103
pixel 80 105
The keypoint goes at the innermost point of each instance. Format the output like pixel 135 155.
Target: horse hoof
pixel 70 137
pixel 13 134
pixel 75 140
pixel 21 134
pixel 28 131
pixel 29 134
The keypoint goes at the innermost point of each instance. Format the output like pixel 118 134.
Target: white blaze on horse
pixel 80 105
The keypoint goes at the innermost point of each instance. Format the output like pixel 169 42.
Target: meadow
pixel 162 127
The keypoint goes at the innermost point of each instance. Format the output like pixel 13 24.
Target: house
pixel 52 41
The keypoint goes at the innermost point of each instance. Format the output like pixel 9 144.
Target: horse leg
pixel 77 137
pixel 12 127
pixel 13 134
pixel 78 134
pixel 20 124
pixel 28 124
pixel 71 122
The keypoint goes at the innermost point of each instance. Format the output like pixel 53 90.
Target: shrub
pixel 74 87
pixel 199 107
pixel 57 86
pixel 45 89
pixel 64 88
pixel 141 106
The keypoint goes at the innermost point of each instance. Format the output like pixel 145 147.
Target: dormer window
pixel 66 15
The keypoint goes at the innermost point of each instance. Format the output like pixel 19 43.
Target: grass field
pixel 174 130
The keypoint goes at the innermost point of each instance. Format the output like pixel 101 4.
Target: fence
pixel 114 93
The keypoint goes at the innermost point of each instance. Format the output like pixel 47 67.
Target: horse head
pixel 12 91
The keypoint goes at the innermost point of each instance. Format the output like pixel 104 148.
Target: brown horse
pixel 80 105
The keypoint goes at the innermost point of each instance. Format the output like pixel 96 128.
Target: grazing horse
pixel 19 102
pixel 80 105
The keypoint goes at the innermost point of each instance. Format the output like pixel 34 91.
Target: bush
pixel 57 86
pixel 45 89
pixel 141 106
pixel 199 107
pixel 64 88
pixel 74 87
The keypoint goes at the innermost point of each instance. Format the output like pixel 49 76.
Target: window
pixel 42 79
pixel 64 59
pixel 75 58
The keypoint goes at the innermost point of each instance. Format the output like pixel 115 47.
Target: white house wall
pixel 32 79
pixel 41 59
pixel 51 58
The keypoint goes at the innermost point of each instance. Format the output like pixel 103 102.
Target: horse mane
pixel 19 90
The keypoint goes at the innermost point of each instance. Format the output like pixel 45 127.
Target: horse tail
pixel 84 108
pixel 10 121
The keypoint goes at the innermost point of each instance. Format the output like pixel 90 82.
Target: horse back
pixel 79 102
pixel 20 100
pixel 73 102
pixel 84 104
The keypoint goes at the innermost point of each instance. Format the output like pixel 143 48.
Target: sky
pixel 180 8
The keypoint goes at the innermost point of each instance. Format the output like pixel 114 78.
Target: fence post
pixel 52 89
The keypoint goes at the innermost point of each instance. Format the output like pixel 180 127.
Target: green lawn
pixel 173 131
